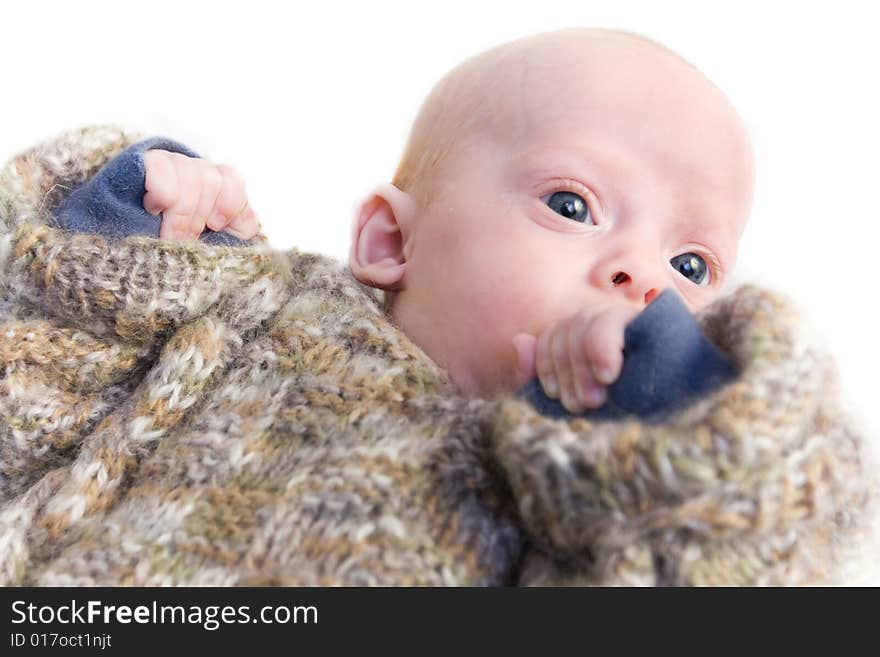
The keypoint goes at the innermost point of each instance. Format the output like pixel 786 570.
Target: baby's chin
pixel 465 381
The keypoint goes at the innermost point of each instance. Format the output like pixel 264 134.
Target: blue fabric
pixel 667 364
pixel 111 203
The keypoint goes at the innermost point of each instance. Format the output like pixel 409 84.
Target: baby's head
pixel 567 171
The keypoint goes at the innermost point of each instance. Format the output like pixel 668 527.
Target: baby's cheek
pixel 506 309
pixel 499 303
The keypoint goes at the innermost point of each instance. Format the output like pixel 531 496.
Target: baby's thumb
pixel 153 205
pixel 525 345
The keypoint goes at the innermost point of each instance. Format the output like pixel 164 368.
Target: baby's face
pixel 604 180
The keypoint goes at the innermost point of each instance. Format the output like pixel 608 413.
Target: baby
pixel 179 414
pixel 550 189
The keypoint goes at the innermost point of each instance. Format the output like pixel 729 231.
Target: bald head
pixel 505 91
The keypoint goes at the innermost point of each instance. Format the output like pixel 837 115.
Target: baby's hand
pixel 192 193
pixel 576 359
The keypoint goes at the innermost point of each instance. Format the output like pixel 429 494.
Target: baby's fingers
pixel 160 182
pixel 211 181
pixel 177 220
pixel 553 364
pixel 232 212
pixel 560 351
pixel 544 365
pixel 231 199
pixel 246 225
pixel 603 343
pixel 588 391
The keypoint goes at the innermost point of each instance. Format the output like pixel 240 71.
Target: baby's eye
pixel 571 206
pixel 693 267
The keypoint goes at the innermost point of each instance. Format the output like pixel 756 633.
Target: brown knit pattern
pixel 182 414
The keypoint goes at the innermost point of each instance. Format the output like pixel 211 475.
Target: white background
pixel 312 102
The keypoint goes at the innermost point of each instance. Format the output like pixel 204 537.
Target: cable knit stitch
pixel 194 414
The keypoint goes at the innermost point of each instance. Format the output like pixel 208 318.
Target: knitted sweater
pixel 195 414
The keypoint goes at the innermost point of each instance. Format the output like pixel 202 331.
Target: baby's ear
pixel 379 231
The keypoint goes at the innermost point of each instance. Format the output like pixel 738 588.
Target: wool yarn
pixel 189 414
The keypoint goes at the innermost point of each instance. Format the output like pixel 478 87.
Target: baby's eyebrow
pixel 598 162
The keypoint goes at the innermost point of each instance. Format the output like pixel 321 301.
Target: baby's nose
pixel 621 278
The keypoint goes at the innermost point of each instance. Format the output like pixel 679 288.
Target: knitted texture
pixel 187 414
